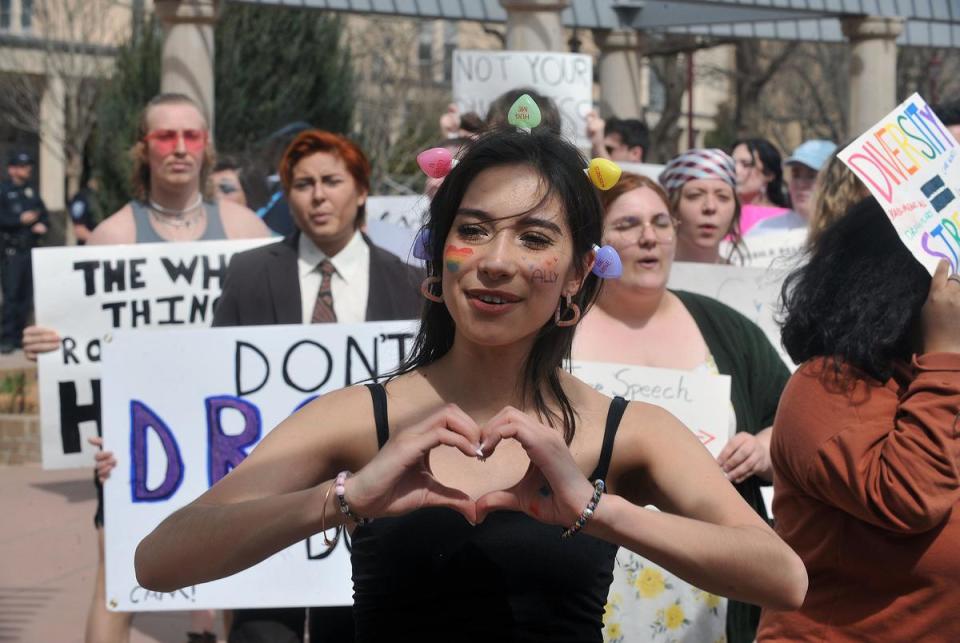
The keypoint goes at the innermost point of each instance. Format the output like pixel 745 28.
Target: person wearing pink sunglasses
pixel 172 159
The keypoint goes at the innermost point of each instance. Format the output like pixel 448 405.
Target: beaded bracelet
pixel 341 499
pixel 598 487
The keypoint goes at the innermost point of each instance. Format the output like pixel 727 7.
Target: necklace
pixel 173 217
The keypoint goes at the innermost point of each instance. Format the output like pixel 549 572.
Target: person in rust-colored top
pixel 865 445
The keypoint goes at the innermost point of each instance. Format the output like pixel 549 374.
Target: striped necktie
pixel 323 310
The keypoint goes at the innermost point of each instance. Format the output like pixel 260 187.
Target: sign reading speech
pixel 479 77
pixel 86 293
pixel 909 162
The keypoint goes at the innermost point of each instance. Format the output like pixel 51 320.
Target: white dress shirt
pixel 349 284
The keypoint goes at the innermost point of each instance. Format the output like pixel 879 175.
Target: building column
pixel 535 25
pixel 873 69
pixel 620 73
pixel 187 63
pixel 50 168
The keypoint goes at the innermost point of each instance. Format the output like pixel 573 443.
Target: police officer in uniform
pixel 23 218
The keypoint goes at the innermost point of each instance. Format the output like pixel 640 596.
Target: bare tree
pixel 63 66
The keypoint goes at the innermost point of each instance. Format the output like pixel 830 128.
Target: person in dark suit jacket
pixel 326 271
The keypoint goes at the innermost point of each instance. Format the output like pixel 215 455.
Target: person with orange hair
pixel 326 271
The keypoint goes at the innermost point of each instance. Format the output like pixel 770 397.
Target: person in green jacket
pixel 637 320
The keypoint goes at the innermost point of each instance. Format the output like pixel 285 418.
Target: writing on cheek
pixel 454 257
pixel 545 273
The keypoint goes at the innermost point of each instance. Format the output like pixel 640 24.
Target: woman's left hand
pixel 746 455
pixel 553 490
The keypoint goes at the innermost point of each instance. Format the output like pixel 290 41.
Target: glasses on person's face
pixel 165 141
pixel 631 229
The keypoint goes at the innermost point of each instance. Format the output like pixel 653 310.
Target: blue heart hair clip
pixel 607 265
pixel 421 245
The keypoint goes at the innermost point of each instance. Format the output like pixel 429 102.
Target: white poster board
pixel 650 170
pixel 86 293
pixel 780 251
pixel 481 76
pixel 908 160
pixel 752 292
pixel 699 400
pixel 393 223
pixel 183 408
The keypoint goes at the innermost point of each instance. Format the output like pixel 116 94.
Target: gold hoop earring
pixel 425 289
pixel 574 317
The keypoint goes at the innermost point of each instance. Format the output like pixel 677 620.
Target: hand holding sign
pixel 941 313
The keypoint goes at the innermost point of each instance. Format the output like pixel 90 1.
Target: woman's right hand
pixel 941 313
pixel 104 462
pixel 37 339
pixel 398 480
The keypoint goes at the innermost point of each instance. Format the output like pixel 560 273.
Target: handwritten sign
pixel 773 250
pixel 479 77
pixel 909 162
pixel 86 293
pixel 699 400
pixel 183 408
pixel 393 223
pixel 752 292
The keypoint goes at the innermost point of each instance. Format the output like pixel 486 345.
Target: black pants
pixel 16 277
pixel 285 625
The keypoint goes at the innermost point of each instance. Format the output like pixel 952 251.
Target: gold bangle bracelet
pixel 323 519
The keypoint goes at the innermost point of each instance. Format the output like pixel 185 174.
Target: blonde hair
pixel 836 190
pixel 140 172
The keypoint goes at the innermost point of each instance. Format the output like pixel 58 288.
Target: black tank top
pixel 430 576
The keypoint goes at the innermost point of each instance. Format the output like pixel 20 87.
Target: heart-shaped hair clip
pixel 436 162
pixel 524 113
pixel 421 245
pixel 603 173
pixel 607 264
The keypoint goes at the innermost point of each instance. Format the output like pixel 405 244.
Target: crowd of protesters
pixel 860 442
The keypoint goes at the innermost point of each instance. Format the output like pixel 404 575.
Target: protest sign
pixel 779 250
pixel 908 161
pixel 183 408
pixel 479 77
pixel 699 400
pixel 752 292
pixel 649 170
pixel 393 223
pixel 85 294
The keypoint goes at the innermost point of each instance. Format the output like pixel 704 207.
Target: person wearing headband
pixel 489 487
pixel 702 188
pixel 637 320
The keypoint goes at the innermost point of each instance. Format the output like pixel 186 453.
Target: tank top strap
pixel 141 222
pixel 379 395
pixel 215 230
pixel 615 413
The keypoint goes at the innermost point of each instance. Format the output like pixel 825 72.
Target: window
pixel 5 14
pixel 26 14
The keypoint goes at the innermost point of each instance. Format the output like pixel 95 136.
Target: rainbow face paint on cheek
pixel 454 257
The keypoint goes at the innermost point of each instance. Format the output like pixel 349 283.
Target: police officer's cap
pixel 20 158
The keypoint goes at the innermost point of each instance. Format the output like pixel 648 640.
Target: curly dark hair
pixel 858 298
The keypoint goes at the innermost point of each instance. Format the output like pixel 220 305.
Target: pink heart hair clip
pixel 436 162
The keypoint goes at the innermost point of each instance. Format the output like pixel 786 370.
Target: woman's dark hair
pixel 858 298
pixel 761 148
pixel 561 168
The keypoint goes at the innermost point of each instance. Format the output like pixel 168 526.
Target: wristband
pixel 341 499
pixel 587 513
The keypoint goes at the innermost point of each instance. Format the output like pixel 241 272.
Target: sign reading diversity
pixel 185 407
pixel 909 162
pixel 86 294
pixel 479 77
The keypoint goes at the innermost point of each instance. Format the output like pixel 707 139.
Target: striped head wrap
pixel 699 163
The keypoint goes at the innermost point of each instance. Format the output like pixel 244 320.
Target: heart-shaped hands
pixel 399 480
pixel 553 490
